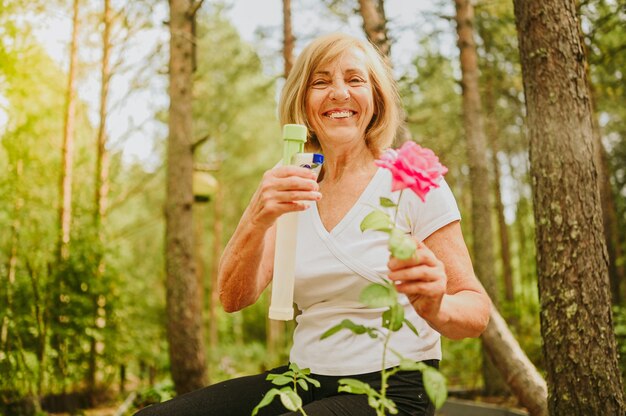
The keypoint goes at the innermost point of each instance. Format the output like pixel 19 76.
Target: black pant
pixel 237 397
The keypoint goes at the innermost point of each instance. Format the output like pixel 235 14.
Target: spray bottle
pixel 281 307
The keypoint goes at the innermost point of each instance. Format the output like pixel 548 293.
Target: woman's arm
pixel 441 285
pixel 247 263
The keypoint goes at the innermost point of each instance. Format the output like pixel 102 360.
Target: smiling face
pixel 340 101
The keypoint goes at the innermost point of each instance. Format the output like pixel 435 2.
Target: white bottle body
pixel 281 307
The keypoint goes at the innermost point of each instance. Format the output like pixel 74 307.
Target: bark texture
pixel 288 38
pixel 576 321
pixel 184 317
pixel 375 24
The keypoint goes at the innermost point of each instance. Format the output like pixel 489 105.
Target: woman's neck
pixel 338 162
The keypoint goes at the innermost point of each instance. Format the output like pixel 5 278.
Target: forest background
pixel 83 313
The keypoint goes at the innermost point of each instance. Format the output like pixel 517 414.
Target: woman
pixel 343 91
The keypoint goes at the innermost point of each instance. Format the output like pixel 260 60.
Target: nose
pixel 339 92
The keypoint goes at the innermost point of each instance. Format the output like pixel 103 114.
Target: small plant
pixel 158 393
pixel 378 295
pixel 418 169
pixel 290 380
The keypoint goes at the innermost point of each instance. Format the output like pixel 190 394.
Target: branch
pixel 196 143
pixel 193 9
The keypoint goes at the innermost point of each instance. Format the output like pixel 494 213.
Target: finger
pixel 295 206
pixel 422 256
pixel 421 273
pixel 292 196
pixel 397 264
pixel 294 183
pixel 427 289
pixel 274 210
pixel 426 257
pixel 286 171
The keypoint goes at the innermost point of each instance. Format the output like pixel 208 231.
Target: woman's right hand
pixel 283 189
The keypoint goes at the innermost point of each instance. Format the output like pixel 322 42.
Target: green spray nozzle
pixel 294 137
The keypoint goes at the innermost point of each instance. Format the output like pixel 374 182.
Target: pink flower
pixel 413 167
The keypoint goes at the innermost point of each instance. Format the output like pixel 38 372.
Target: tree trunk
pixel 375 28
pixel 184 318
pixel 576 320
pixel 609 210
pixel 199 212
pixel 67 155
pixel 218 230
pixel 493 133
pixel 479 172
pixel 288 38
pixel 503 232
pixel 518 371
pixel 101 180
pixel 102 156
pixel 375 24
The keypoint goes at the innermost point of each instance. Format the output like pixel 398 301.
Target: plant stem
pixel 384 375
pixel 395 217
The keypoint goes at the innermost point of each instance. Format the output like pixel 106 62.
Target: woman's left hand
pixel 422 278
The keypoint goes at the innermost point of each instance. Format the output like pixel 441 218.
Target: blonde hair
pixel 323 50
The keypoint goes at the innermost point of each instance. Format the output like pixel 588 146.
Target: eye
pixel 319 83
pixel 356 80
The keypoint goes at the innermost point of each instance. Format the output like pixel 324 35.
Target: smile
pixel 339 114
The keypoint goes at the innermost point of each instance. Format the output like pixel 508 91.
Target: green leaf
pixel 279 379
pixel 377 295
pixel 411 327
pixel 389 405
pixel 345 324
pixel 290 399
pixel 410 365
pixel 303 385
pixel 267 399
pixel 377 220
pixel 311 380
pixel 402 246
pixel 372 401
pixel 386 202
pixel 435 385
pixel 393 317
pixel 350 385
pixel 294 367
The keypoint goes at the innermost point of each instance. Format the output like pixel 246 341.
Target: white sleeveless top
pixel 332 268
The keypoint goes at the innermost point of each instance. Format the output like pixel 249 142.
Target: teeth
pixel 340 114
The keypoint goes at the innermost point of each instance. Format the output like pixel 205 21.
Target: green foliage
pixel 384 295
pixel 156 394
pixel 51 312
pixel 401 245
pixel 288 394
pixel 376 400
pixel 377 220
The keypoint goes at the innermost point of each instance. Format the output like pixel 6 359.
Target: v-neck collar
pixel 353 212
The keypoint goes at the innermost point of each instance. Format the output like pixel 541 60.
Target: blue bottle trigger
pixel 308 160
